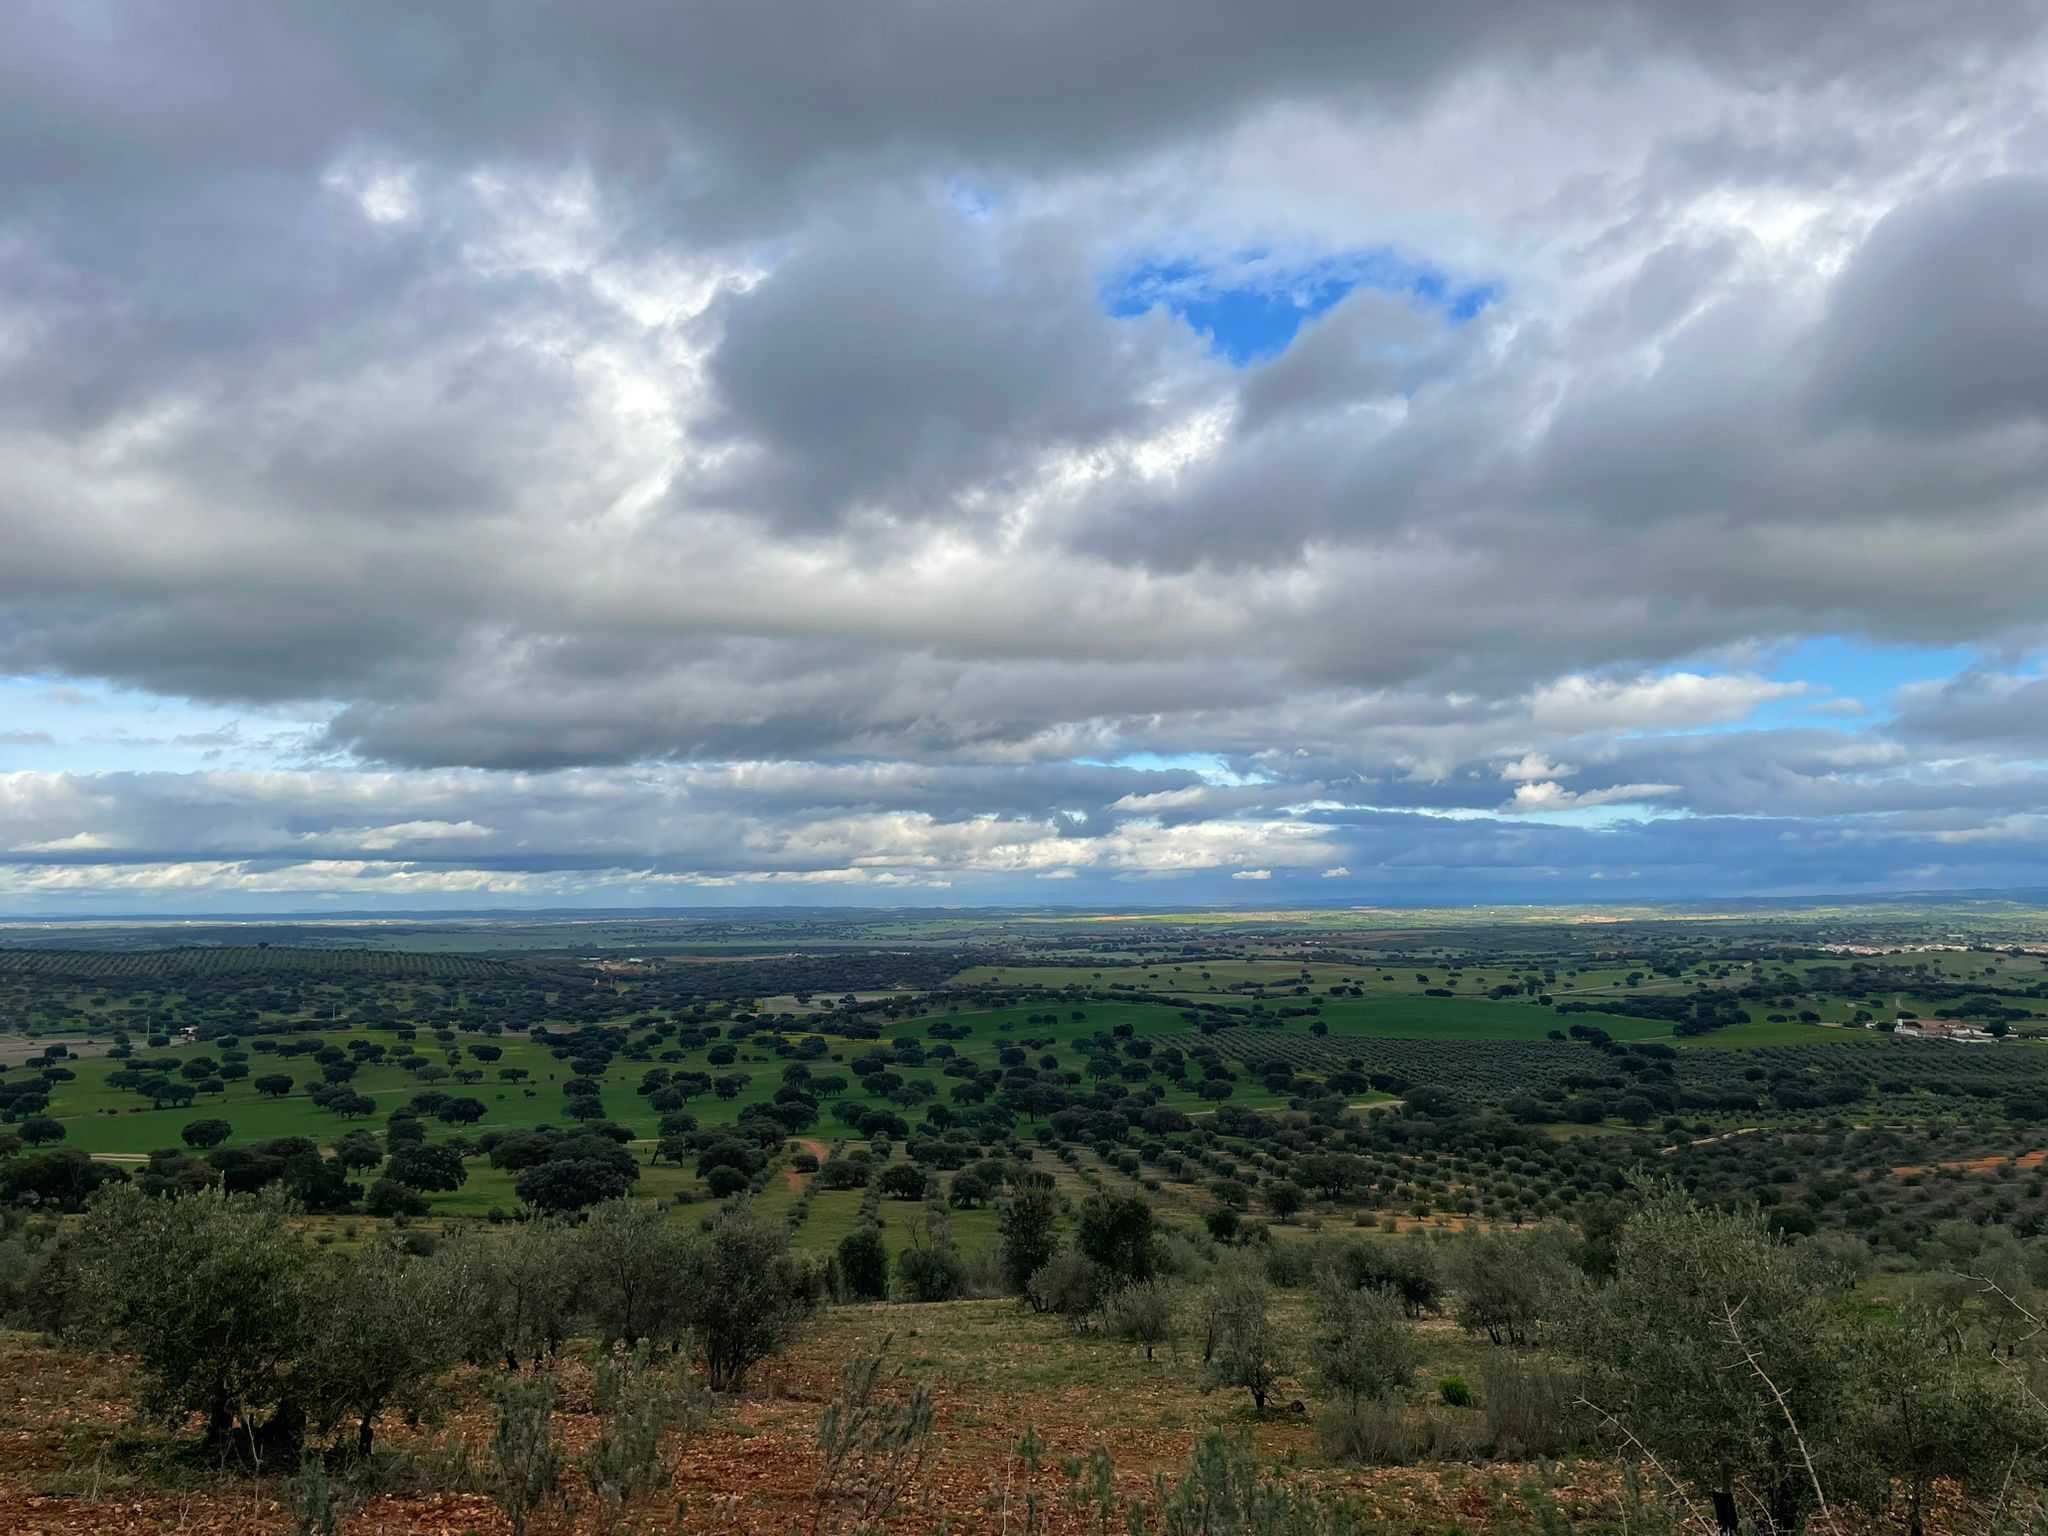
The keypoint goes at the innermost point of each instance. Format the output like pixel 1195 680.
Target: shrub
pixel 1028 1221
pixel 864 1265
pixel 638 1402
pixel 1068 1285
pixel 1359 1343
pixel 1142 1314
pixel 725 1181
pixel 747 1293
pixel 1369 1431
pixel 931 1273
pixel 526 1461
pixel 1454 1392
pixel 872 1444
pixel 1531 1409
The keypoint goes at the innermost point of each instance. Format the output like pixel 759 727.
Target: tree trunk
pixel 220 1422
pixel 1725 1516
pixel 364 1432
pixel 282 1436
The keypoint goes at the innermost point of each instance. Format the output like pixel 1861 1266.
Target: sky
pixel 1334 453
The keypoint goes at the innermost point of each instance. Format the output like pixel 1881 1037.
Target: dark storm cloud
pixel 1941 322
pixel 1978 709
pixel 905 359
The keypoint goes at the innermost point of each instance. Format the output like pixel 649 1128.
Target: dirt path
pixel 15 1049
pixel 817 1149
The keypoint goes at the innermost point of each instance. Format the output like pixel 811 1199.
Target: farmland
pixel 1279 1103
pixel 1022 1033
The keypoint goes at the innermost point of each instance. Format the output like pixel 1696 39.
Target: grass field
pixel 102 1119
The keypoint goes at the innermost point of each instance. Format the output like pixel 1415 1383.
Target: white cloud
pixel 1679 700
pixel 1552 796
pixel 1253 874
pixel 1534 765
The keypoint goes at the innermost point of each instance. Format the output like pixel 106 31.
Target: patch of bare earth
pixel 70 1449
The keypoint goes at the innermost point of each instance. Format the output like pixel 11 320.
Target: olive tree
pixel 1142 1314
pixel 214 1293
pixel 1029 1223
pixel 1244 1347
pixel 1719 1350
pixel 385 1325
pixel 1359 1341
pixel 520 1292
pixel 747 1295
pixel 633 1262
pixel 1508 1283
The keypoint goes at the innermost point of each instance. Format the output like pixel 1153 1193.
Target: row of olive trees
pixel 233 1315
pixel 1737 1366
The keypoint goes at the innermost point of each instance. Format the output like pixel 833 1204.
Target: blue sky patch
pixel 1251 305
pixel 1864 670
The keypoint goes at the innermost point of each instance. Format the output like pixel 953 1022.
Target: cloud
pixel 1579 704
pixel 1534 765
pixel 679 453
pixel 1552 796
pixel 1940 323
pixel 1253 874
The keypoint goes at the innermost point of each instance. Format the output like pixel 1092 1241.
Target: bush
pixel 389 1198
pixel 864 1265
pixel 1531 1409
pixel 931 1273
pixel 748 1294
pixel 1068 1285
pixel 1454 1392
pixel 638 1402
pixel 1142 1314
pixel 1028 1221
pixel 724 1181
pixel 526 1460
pixel 1369 1431
pixel 1116 1232
pixel 904 1181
